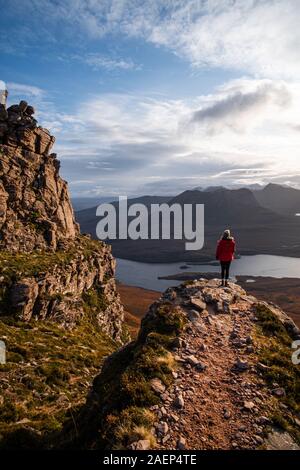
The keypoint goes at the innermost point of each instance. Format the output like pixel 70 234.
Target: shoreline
pixel 205 259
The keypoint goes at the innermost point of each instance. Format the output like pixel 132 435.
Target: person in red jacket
pixel 225 254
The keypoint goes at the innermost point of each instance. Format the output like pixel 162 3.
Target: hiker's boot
pixel 222 283
pixel 226 283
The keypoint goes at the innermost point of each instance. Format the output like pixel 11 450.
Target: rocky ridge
pixel 35 208
pixel 47 269
pixel 211 369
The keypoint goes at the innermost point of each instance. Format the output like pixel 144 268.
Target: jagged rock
pixel 56 268
pixel 226 307
pixel 35 207
pixel 233 335
pixel 58 290
pixel 249 340
pixel 259 440
pixel 198 304
pixel 241 366
pixel 179 401
pixel 157 386
pixel 297 421
pixel 219 306
pixel 249 405
pixel 162 428
pixel 181 443
pixel 192 360
pixel 174 417
pixel 263 420
pixel 23 295
pixel 143 444
pixel 193 315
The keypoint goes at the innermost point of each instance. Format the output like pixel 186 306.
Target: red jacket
pixel 225 250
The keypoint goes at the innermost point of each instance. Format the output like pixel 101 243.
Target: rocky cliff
pixel 35 208
pixel 47 269
pixel 211 369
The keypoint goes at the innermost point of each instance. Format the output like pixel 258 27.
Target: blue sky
pixel 159 96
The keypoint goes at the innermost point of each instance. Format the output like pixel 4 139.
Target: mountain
pixel 81 203
pixel 208 188
pixel 60 312
pixel 257 229
pixel 211 369
pixel 224 207
pixel 283 200
pixel 88 220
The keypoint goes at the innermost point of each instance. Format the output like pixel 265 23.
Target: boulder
pixel 198 304
pixel 162 428
pixel 181 443
pixel 241 365
pixel 193 315
pixel 249 405
pixel 179 401
pixel 157 386
pixel 43 141
pixel 23 296
pixel 143 444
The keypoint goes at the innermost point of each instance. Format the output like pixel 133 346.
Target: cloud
pixel 136 143
pixel 241 108
pixel 261 38
pixel 25 90
pixel 98 61
pixel 2 85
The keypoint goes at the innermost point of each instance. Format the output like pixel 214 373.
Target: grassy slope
pixel 49 368
pixel 275 352
pixel 48 373
pixel 119 414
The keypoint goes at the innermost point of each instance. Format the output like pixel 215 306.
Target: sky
pixel 159 96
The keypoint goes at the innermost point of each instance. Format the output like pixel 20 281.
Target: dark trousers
pixel 225 265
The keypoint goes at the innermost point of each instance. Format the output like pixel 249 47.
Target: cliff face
pixel 211 369
pixel 35 208
pixel 47 269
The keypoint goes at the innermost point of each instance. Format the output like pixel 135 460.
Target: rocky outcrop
pixel 35 208
pixel 211 369
pixel 63 286
pixel 48 271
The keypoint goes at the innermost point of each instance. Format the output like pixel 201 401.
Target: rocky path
pixel 219 399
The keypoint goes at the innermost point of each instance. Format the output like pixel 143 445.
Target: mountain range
pixel 263 221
